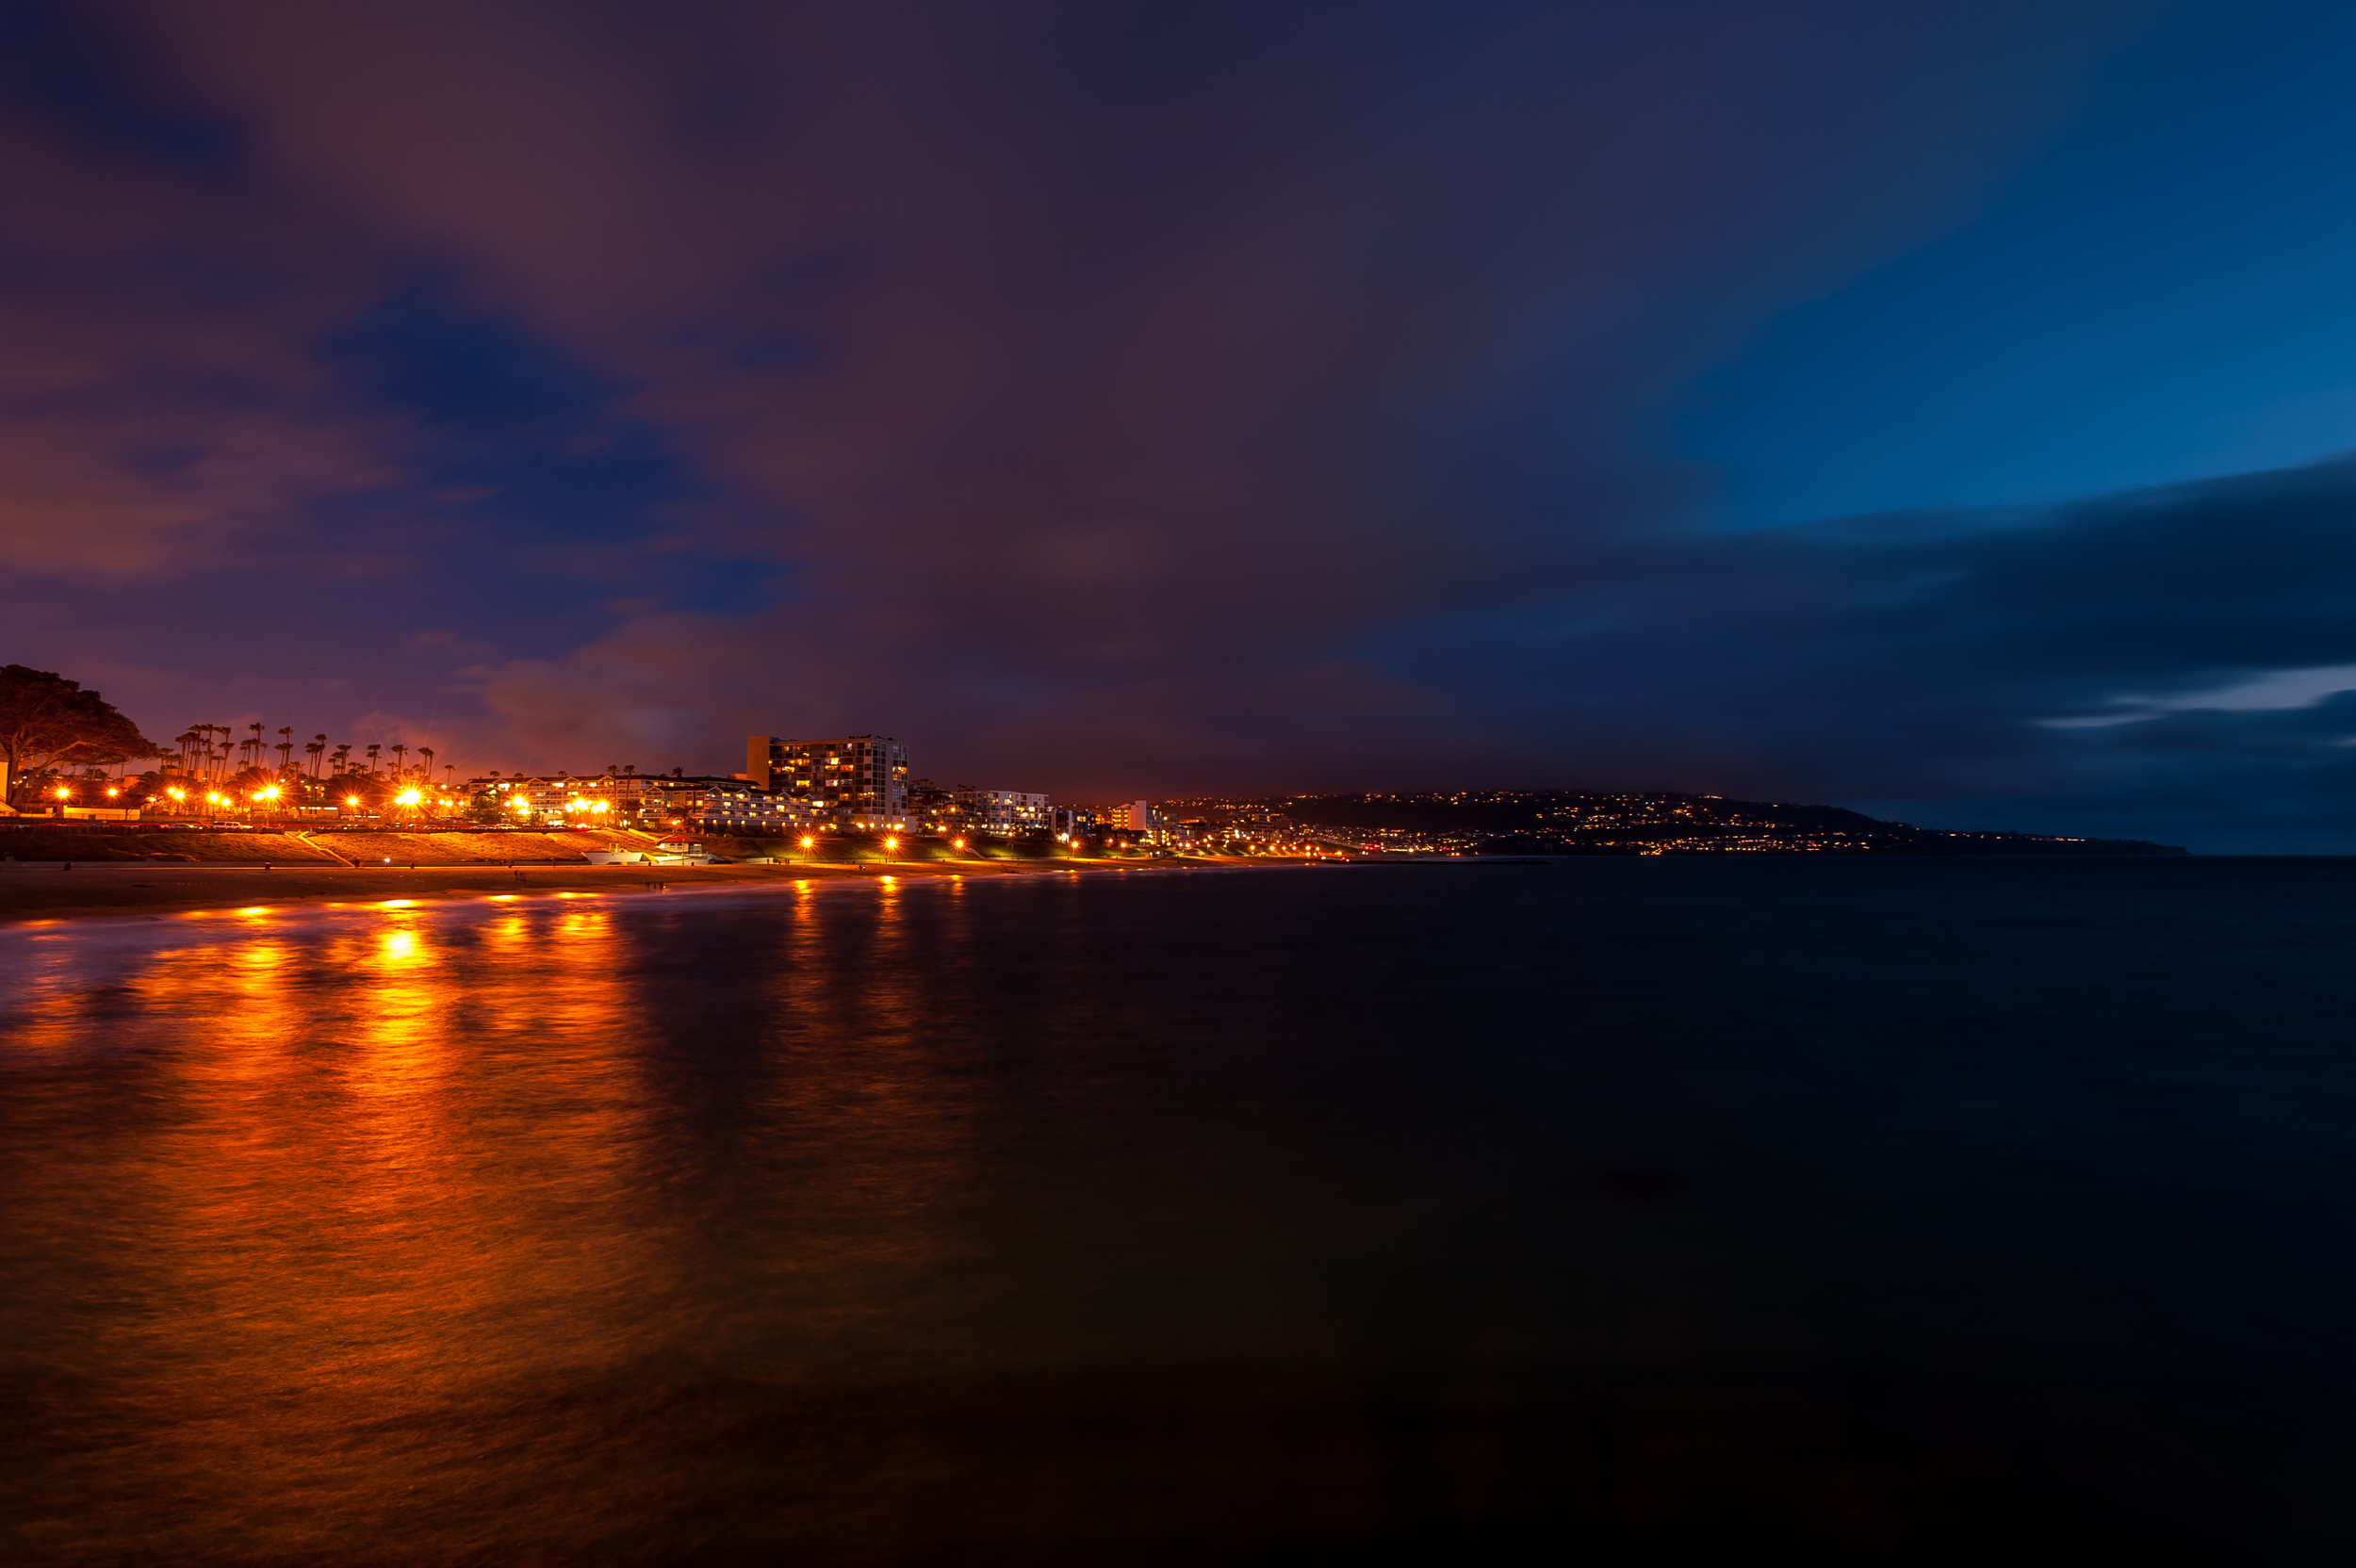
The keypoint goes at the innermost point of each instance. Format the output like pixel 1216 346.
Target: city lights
pixel 233 782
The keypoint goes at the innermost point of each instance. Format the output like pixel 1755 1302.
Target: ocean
pixel 1593 1211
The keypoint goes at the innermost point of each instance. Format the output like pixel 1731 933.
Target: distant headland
pixel 1644 822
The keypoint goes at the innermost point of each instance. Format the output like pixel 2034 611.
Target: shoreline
pixel 36 894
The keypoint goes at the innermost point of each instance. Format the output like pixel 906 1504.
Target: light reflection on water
pixel 1080 1221
pixel 395 1187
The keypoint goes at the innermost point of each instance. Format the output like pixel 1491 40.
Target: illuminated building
pixel 1004 811
pixel 1138 816
pixel 856 781
pixel 715 804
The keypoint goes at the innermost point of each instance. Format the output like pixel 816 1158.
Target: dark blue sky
pixel 1936 409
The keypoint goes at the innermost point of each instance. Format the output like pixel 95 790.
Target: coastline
pixel 33 895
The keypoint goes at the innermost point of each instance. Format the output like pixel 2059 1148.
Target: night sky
pixel 1939 409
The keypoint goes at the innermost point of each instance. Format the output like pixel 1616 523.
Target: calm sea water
pixel 1608 1210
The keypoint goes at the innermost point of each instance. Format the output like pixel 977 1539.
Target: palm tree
pixel 398 752
pixel 315 749
pixel 372 751
pixel 286 750
pixel 343 756
pixel 425 769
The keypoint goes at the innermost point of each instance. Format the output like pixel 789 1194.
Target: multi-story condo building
pixel 701 805
pixel 855 781
pixel 1136 816
pixel 715 804
pixel 527 800
pixel 934 809
pixel 1003 811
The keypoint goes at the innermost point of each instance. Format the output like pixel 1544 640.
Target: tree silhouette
pixel 47 720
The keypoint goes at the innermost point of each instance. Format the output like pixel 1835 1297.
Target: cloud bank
pixel 1243 397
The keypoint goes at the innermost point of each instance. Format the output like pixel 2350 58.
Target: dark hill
pixel 1571 822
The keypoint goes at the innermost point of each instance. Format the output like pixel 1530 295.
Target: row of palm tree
pixel 206 752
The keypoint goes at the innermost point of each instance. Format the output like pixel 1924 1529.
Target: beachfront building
pixel 854 781
pixel 703 804
pixel 1005 813
pixel 1135 816
pixel 556 800
pixel 934 809
pixel 715 804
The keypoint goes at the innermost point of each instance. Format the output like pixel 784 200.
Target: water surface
pixel 1607 1208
